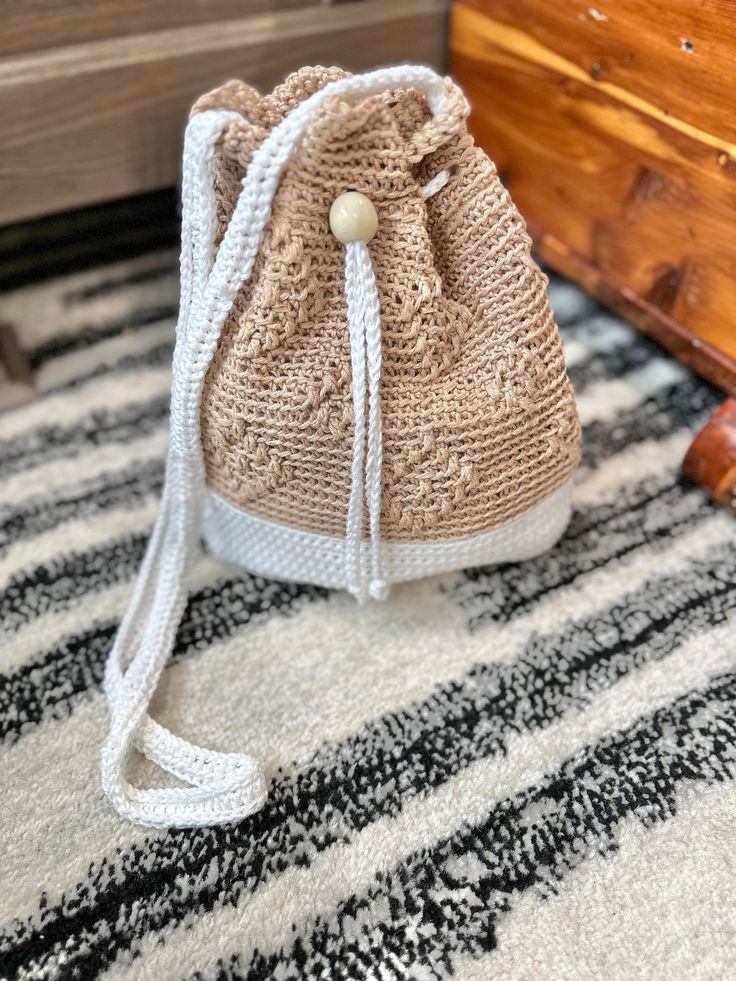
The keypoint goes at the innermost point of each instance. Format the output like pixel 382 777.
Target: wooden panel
pixel 618 190
pixel 108 117
pixel 36 25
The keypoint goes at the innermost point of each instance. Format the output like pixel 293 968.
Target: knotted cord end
pixel 379 589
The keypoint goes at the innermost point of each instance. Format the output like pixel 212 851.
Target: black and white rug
pixel 518 773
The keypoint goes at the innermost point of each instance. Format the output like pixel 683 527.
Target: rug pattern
pixel 522 771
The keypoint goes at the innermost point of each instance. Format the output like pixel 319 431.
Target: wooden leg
pixel 16 378
pixel 711 459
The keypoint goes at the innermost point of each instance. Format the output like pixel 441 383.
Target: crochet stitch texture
pixel 479 422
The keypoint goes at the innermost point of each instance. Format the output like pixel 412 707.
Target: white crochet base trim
pixel 277 551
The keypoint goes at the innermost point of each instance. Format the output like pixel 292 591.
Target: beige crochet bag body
pixel 368 383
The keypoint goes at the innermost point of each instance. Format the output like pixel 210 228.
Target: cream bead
pixel 353 218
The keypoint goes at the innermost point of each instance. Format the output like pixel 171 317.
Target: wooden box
pixel 614 129
pixel 612 125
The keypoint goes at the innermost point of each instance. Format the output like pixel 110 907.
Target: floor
pixel 513 772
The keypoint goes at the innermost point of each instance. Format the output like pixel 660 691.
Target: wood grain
pixel 38 25
pixel 631 198
pixel 108 116
pixel 677 56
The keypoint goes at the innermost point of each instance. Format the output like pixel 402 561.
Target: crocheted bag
pixel 368 385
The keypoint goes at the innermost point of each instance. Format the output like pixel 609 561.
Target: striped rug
pixel 512 773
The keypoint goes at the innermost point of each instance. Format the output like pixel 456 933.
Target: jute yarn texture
pixel 478 416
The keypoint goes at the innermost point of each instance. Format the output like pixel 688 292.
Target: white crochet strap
pixel 228 786
pixel 223 786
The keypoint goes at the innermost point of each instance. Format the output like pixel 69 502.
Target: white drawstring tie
pixel 226 787
pixel 364 325
pixel 353 221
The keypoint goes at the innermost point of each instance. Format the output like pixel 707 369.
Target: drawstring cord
pixel 226 787
pixel 364 324
pixel 356 327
